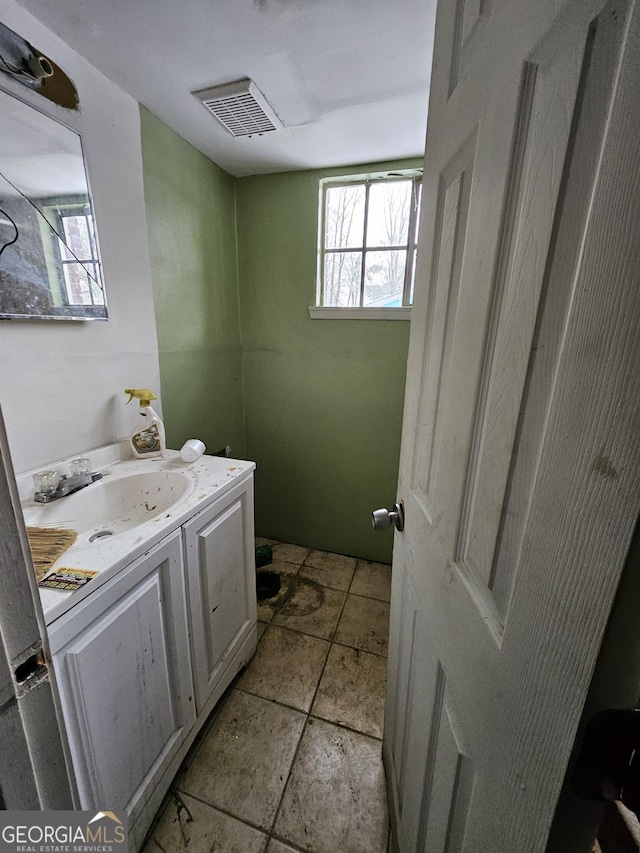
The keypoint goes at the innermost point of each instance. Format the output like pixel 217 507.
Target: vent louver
pixel 240 107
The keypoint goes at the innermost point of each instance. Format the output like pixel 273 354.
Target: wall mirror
pixel 49 264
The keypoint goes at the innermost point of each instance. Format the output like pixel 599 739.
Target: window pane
pixel 77 236
pixel 77 282
pixel 384 278
pixel 344 217
pixel 97 292
pixel 388 218
pixel 65 254
pixel 342 271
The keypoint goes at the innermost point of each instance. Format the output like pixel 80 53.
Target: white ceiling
pixel 348 78
pixel 39 156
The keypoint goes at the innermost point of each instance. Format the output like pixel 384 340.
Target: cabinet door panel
pixel 224 607
pixel 221 571
pixel 124 680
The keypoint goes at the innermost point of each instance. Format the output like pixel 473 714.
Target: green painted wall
pixel 323 398
pixel 190 207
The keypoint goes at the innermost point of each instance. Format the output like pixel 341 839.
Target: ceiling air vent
pixel 240 107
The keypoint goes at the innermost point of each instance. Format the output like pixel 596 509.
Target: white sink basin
pixel 112 506
pixel 133 507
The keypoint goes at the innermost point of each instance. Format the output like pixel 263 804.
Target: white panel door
pixel 519 465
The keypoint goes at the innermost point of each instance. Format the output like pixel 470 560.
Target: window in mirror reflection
pixel 79 257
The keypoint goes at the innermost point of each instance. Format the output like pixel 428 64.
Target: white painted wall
pixel 61 383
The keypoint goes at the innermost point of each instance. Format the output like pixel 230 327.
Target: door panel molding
pixel 468 16
pixel 455 771
pixel 548 101
pixel 454 192
pixel 604 47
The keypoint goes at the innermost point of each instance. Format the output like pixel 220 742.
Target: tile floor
pixel 292 760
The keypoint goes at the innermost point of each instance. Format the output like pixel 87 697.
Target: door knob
pixel 384 518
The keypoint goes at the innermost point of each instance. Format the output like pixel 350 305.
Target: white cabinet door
pixel 124 677
pixel 222 591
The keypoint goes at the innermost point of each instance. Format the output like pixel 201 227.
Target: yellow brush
pixel 47 544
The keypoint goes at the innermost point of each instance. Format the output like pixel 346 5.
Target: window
pixel 79 257
pixel 368 240
pixel 71 253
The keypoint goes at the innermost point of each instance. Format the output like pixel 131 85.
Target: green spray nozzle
pixel 143 394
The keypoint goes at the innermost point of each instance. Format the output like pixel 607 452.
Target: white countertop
pixel 207 479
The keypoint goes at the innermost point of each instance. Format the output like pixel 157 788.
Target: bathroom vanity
pixel 143 652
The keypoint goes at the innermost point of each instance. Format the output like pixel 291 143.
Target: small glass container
pixel 46 482
pixel 80 466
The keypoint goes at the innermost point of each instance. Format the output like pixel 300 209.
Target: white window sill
pixel 319 312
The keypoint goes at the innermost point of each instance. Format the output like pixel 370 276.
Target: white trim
pixel 378 175
pixel 366 180
pixel 320 312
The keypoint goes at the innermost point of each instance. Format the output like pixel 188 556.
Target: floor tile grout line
pixel 203 733
pixel 331 641
pixel 279 701
pixel 352 579
pixel 347 592
pixel 295 631
pixel 344 726
pixel 267 832
pixel 359 649
pixel 306 724
pixel 285 599
pixel 358 560
pixel 224 811
pixel 369 597
pixel 277 559
pixel 309 717
pixel 270 541
pixel 284 789
pixel 315 636
pixel 290 844
pixel 282 840
pixel 309 713
pixel 335 588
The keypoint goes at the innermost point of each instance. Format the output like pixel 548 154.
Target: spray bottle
pixel 147 439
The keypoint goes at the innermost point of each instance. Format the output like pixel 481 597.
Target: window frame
pixel 320 310
pixel 90 264
pixel 54 210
